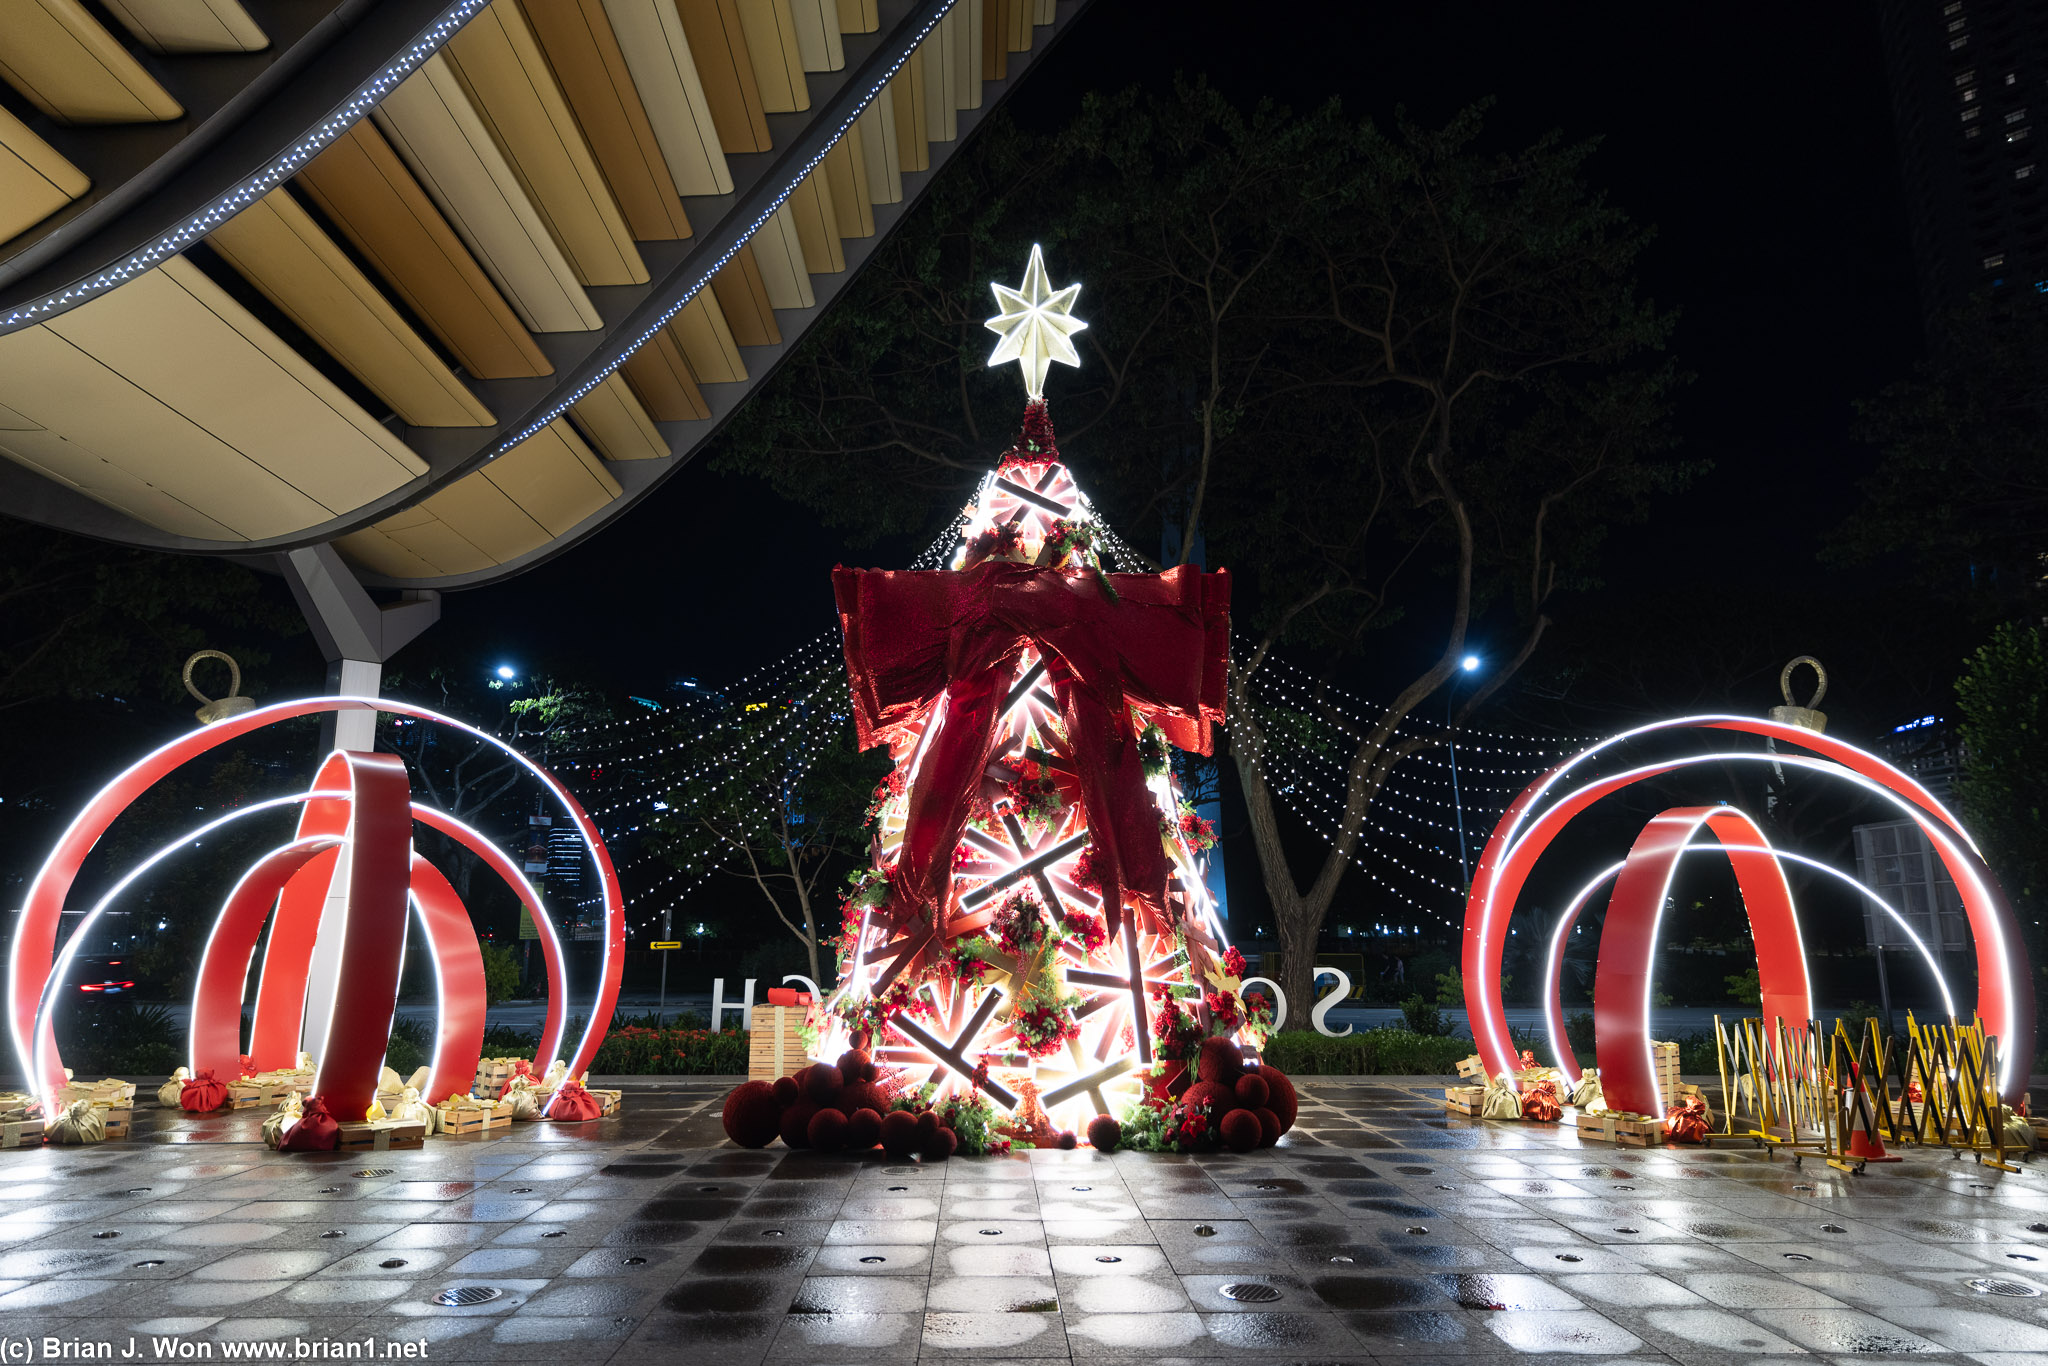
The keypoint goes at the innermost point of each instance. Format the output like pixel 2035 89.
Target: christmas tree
pixel 1035 936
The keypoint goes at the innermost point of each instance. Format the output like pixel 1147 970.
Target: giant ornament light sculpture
pixel 1621 992
pixel 356 823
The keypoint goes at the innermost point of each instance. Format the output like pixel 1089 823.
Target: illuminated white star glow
pixel 1036 324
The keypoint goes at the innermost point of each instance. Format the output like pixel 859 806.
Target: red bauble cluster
pixel 832 1108
pixel 1230 1104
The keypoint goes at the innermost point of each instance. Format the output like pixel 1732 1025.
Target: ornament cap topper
pixel 1036 324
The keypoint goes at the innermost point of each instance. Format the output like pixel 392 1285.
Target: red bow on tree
pixel 1687 1123
pixel 942 647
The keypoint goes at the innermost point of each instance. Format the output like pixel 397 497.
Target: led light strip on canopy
pixel 2005 991
pixel 358 809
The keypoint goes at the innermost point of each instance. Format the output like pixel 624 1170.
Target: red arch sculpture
pixel 1628 944
pixel 371 826
pixel 1547 806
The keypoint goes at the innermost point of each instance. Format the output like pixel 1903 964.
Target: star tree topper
pixel 1036 325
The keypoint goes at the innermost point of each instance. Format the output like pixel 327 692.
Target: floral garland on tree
pixel 1199 833
pixel 1176 1033
pixel 1038 801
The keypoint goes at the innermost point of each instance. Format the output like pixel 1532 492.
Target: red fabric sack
pixel 249 1068
pixel 202 1093
pixel 316 1132
pixel 573 1104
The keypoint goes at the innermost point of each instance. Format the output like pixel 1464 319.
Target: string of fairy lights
pixel 666 765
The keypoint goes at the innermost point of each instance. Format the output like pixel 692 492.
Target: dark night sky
pixel 1758 141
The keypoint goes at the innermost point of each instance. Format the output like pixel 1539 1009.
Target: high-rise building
pixel 1969 85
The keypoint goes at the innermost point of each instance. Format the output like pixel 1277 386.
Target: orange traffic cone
pixel 1864 1145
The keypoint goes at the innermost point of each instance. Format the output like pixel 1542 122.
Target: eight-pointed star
pixel 1035 325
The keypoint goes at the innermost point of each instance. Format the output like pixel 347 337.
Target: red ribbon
pixel 943 647
pixel 1541 1102
pixel 1688 1123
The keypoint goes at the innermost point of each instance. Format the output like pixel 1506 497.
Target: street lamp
pixel 1469 663
pixel 507 672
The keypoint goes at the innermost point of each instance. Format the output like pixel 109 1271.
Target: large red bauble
pixel 853 1066
pixel 1216 1095
pixel 899 1133
pixel 1283 1101
pixel 940 1144
pixel 796 1124
pixel 1252 1091
pixel 1219 1060
pixel 1241 1131
pixel 1269 1127
pixel 863 1129
pixel 820 1082
pixel 786 1091
pixel 827 1131
pixel 752 1118
pixel 1104 1134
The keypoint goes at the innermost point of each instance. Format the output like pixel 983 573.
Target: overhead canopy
pixel 445 286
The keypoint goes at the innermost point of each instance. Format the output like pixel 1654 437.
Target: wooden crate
pixel 1608 1127
pixel 21 1133
pixel 610 1100
pixel 383 1135
pixel 1472 1068
pixel 118 1118
pixel 774 1048
pixel 1464 1100
pixel 458 1123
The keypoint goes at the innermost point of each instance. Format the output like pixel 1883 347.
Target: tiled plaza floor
pixel 1383 1229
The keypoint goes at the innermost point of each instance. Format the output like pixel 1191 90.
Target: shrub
pixel 1746 988
pixel 634 1050
pixel 411 1046
pixel 123 1038
pixel 1423 1017
pixel 503 1041
pixel 1578 1032
pixel 1372 1052
pixel 501 973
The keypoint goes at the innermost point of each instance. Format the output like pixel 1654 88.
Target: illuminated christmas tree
pixel 1035 925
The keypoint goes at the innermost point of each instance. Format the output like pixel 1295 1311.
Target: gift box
pixel 1627 1131
pixel 774 1048
pixel 1464 1100
pixel 257 1093
pixel 118 1118
pixel 492 1076
pixel 471 1120
pixel 382 1135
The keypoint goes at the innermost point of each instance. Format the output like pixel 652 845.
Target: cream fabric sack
pixel 1501 1100
pixel 80 1123
pixel 411 1108
pixel 526 1102
pixel 277 1125
pixel 172 1092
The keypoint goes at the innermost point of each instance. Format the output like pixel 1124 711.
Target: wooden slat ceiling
pixel 498 195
